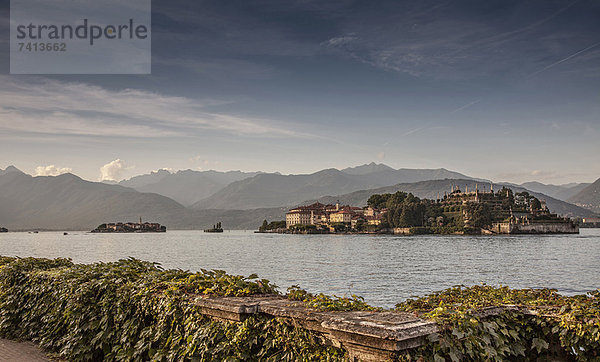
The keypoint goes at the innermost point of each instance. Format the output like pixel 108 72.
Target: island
pixel 473 212
pixel 131 227
pixel 590 222
pixel 272 227
pixel 215 229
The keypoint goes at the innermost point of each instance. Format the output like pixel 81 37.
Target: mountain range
pixel 239 200
pixel 272 190
pixel 186 187
pixel 67 202
pixel 561 192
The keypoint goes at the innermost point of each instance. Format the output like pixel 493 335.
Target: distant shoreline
pixel 87 231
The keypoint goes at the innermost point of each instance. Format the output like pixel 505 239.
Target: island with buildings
pixel 217 228
pixel 131 227
pixel 456 212
pixel 590 222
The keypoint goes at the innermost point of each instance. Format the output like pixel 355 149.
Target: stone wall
pixel 402 231
pixel 535 228
pixel 365 335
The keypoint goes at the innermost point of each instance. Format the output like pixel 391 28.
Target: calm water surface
pixel 383 269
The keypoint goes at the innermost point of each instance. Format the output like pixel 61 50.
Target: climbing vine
pixel 324 302
pixel 532 324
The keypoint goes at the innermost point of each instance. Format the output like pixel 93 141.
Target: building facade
pixel 324 215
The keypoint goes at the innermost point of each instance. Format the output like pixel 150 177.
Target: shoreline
pixel 264 232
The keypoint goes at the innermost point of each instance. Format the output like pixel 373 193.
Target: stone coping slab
pixel 366 335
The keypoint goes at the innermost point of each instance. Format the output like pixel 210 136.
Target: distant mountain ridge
pixel 9 169
pixel 367 169
pixel 187 186
pixel 561 192
pixel 274 190
pixel 145 179
pixel 67 202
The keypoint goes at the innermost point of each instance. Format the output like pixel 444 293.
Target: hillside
pixel 146 179
pixel 589 197
pixel 68 202
pixel 186 187
pixel 561 192
pixel 274 190
pixel 430 190
pixel 384 174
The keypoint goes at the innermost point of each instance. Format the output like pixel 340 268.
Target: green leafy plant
pixel 535 324
pixel 328 303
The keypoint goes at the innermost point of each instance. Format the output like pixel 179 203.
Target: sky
pixel 503 90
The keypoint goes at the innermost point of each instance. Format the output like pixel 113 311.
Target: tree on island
pixel 480 215
pixel 264 225
pixel 361 225
pixel 273 225
pixel 406 210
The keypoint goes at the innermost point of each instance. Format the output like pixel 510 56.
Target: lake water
pixel 383 269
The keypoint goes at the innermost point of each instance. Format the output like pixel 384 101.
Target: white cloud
pixel 51 170
pixel 113 171
pixel 46 106
pixel 340 40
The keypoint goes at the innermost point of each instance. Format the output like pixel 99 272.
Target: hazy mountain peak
pixel 561 192
pixel 10 169
pixel 185 186
pixel 146 179
pixel 326 171
pixel 68 176
pixel 367 169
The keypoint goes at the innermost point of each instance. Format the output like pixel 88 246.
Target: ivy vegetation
pixel 532 325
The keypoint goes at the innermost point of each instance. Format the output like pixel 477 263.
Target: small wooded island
pixel 131 227
pixel 470 212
